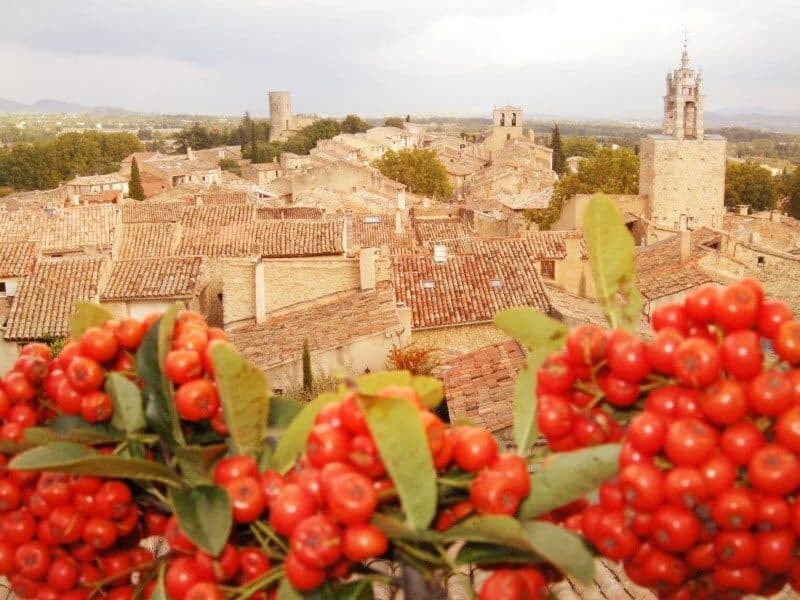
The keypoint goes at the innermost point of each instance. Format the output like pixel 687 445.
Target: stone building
pixel 506 125
pixel 280 115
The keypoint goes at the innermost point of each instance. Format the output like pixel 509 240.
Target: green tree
pixel 135 189
pixel 354 124
pixel 559 160
pixel 255 155
pixel 308 376
pixel 199 137
pixel 791 191
pixel 418 169
pixel 408 118
pixel 393 122
pixel 611 171
pixel 580 146
pixel 748 183
pixel 230 164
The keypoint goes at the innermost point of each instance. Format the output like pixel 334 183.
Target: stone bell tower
pixel 683 104
pixel 682 171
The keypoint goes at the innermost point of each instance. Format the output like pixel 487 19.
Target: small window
pixel 219 296
pixel 2 287
pixel 549 269
pixel 372 219
pixel 277 391
pixel 428 284
pixel 760 262
pixel 496 283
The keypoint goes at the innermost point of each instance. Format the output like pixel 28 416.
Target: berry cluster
pixel 522 583
pixel 705 501
pixel 69 537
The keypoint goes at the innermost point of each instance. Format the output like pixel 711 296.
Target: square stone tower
pixel 506 125
pixel 683 169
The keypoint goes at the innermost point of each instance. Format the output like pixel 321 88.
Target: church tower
pixel 682 173
pixel 683 104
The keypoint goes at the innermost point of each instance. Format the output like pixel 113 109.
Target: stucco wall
pixel 367 353
pixel 142 308
pixel 9 351
pixel 574 209
pixel 684 181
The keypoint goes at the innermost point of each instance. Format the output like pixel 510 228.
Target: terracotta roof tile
pixel 467 288
pixel 479 385
pixel 659 271
pixel 154 212
pixel 289 212
pixel 551 245
pixel 217 215
pixel 46 299
pixel 275 238
pixel 451 232
pixel 225 197
pixel 153 278
pixel 330 322
pixel 17 259
pixel 374 231
pixel 147 240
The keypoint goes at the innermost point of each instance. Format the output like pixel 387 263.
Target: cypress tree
pixel 135 189
pixel 559 160
pixel 308 376
pixel 253 143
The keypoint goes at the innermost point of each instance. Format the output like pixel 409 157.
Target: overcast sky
pixel 590 58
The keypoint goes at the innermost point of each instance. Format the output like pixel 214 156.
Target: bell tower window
pixel 513 119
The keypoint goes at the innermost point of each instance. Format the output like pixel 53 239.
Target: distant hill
pixel 48 106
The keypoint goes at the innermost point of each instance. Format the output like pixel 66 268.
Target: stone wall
pixel 776 273
pixel 684 181
pixel 574 209
pixel 463 338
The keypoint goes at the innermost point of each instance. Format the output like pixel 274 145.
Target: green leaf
pixel 287 592
pixel 9 448
pixel 282 411
pixel 204 514
pixel 569 476
pixel 395 529
pixel 526 430
pixel 71 428
pixel 371 384
pixel 531 328
pixel 293 441
pixel 561 548
pixel 195 462
pixel 159 409
pixel 353 590
pixel 128 405
pixel 87 314
pixel 244 395
pixel 69 457
pixel 398 433
pixel 490 529
pixel 487 554
pixel 612 254
pixel 430 390
pixel 160 591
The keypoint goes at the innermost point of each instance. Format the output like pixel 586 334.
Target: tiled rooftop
pixel 148 240
pixel 467 289
pixel 374 231
pixel 479 386
pixel 451 232
pixel 71 229
pixel 289 212
pixel 659 271
pixel 153 212
pixel 527 199
pixel 153 278
pixel 225 197
pixel 108 179
pixel 45 300
pixel 328 323
pixel 550 244
pixel 217 215
pixel 17 259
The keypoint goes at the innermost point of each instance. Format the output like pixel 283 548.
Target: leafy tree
pixel 791 191
pixel 135 189
pixel 354 124
pixel 418 169
pixel 408 118
pixel 308 375
pixel 255 155
pixel 611 171
pixel 199 137
pixel 559 160
pixel 580 146
pixel 393 122
pixel 145 134
pixel 44 165
pixel 229 164
pixel 748 183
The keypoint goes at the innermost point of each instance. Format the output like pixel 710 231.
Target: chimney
pixel 401 199
pixel 198 199
pixel 189 153
pixel 366 268
pixel 686 245
pixel 261 299
pixel 775 215
pixel 398 223
pixel 404 316
pixel 742 209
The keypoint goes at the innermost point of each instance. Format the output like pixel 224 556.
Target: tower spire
pixel 685 55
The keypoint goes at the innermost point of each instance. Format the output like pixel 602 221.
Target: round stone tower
pixel 280 114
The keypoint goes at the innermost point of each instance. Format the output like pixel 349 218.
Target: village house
pixel 261 173
pixel 181 169
pixel 139 287
pixel 112 185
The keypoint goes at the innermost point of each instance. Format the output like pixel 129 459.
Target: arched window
pixel 508 136
pixel 513 119
pixel 502 119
